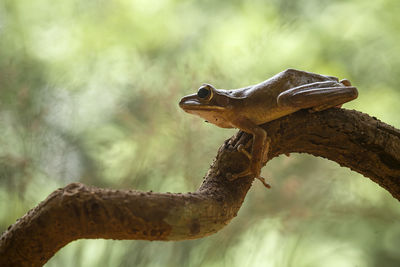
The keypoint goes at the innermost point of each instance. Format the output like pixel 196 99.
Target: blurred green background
pixel 89 92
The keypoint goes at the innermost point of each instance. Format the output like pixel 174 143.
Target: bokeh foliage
pixel 89 93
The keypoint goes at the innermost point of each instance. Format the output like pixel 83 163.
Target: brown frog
pixel 247 108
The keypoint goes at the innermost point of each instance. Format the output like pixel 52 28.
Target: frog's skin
pixel 247 108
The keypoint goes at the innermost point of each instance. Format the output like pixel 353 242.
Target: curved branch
pixel 76 211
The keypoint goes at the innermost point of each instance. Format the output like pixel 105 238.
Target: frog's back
pixel 259 104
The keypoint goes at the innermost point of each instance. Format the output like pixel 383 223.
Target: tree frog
pixel 247 108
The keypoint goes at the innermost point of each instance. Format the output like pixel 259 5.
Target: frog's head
pixel 208 103
pixel 206 99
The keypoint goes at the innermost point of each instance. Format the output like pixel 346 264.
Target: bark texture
pixel 350 138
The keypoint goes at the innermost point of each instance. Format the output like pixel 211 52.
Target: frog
pixel 249 107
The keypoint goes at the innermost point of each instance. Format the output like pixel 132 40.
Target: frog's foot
pixel 234 176
pixel 253 169
pixel 242 149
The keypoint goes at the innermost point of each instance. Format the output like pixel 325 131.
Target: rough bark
pixel 350 138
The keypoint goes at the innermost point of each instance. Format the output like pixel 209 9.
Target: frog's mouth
pixel 191 102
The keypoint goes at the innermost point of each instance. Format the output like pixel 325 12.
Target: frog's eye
pixel 204 92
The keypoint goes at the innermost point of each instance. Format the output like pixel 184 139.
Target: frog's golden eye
pixel 205 92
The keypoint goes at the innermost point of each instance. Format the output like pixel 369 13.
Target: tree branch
pixel 350 138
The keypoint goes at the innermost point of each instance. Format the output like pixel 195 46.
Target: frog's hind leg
pixel 318 96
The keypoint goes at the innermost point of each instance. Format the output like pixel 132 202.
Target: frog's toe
pixel 241 148
pixel 234 176
pixel 262 179
pixel 345 82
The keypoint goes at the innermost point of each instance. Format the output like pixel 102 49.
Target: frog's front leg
pixel 259 149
